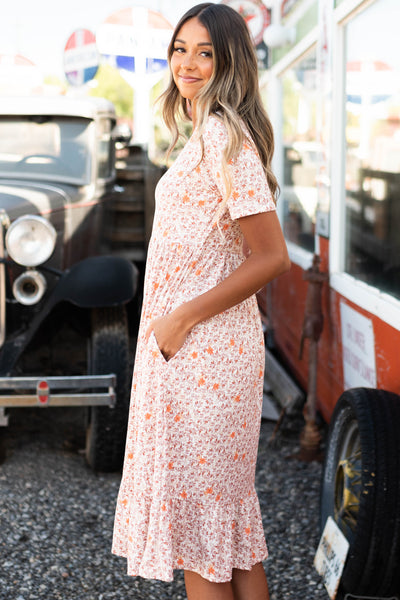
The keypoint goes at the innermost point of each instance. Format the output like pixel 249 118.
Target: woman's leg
pixel 250 585
pixel 198 588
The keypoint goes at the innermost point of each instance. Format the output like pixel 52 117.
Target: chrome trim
pixel 92 390
pixel 38 283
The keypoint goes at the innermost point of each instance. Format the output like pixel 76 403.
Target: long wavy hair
pixel 232 92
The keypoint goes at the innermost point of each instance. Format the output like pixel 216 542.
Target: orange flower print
pixel 184 495
pixel 236 456
pixel 209 491
pixel 180 562
pixel 251 193
pixel 194 355
pixel 148 416
pixel 202 460
pixel 201 381
pixel 211 570
pixel 218 497
pixel 247 530
pixel 237 398
pixel 215 386
pixel 185 198
pixel 233 434
pixel 210 350
pixel 130 455
pixel 232 342
pixel 178 418
pixel 170 465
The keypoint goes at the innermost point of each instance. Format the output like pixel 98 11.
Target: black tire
pixel 109 353
pixel 361 489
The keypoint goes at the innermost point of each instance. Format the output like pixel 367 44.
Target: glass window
pixel 372 182
pixel 301 151
pixel 45 147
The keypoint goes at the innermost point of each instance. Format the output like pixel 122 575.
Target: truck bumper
pixel 89 390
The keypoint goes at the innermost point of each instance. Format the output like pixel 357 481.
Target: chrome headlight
pixel 30 240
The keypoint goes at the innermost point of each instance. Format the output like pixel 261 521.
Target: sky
pixel 39 29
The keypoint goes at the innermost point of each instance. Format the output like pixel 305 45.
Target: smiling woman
pixel 187 498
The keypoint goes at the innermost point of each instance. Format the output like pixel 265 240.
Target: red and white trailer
pixel 334 98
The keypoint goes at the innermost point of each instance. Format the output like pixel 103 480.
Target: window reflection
pixel 373 147
pixel 301 151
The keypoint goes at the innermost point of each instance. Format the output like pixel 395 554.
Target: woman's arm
pixel 268 258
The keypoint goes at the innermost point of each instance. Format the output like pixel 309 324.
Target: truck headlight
pixel 30 240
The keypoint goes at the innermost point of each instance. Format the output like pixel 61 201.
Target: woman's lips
pixel 187 79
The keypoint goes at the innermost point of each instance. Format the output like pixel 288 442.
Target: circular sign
pixel 81 58
pixel 256 15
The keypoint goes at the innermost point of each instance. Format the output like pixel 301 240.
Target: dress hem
pixel 168 579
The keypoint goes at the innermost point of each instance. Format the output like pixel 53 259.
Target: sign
pixel 287 6
pixel 330 557
pixel 132 33
pixel 358 348
pixel 135 40
pixel 256 15
pixel 81 59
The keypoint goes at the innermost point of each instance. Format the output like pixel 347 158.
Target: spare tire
pixel 361 489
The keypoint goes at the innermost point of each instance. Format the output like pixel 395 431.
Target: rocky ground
pixel 56 516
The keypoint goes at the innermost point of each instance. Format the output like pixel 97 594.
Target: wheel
pixel 109 353
pixel 361 489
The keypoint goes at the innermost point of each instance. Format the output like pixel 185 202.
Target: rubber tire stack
pixel 372 567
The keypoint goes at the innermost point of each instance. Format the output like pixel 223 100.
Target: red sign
pixel 256 15
pixel 81 58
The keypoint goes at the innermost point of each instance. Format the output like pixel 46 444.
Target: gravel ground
pixel 56 517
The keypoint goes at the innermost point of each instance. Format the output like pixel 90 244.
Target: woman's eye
pixel 206 54
pixel 179 49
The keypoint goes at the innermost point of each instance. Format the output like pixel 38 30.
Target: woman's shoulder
pixel 214 129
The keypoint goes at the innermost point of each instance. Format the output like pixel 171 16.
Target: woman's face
pixel 192 58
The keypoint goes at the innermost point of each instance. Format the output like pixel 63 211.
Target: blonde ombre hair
pixel 232 93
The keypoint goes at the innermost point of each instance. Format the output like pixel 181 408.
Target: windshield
pixel 46 148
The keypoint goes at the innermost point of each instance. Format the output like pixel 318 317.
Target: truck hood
pixel 18 198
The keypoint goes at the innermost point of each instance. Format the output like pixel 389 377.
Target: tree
pixel 112 86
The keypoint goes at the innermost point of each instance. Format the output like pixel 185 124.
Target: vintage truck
pixel 72 250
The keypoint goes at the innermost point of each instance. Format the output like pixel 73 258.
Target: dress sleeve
pixel 250 191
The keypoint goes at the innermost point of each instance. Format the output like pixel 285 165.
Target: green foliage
pixel 112 86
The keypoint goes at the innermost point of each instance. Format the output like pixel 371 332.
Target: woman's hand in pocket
pixel 169 334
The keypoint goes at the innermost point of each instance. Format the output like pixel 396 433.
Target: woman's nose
pixel 187 61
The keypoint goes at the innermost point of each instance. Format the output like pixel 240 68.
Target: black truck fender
pixel 95 282
pixel 98 281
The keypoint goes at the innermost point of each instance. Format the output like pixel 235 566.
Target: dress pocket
pixel 153 341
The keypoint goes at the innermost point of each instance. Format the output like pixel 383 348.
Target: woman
pixel 187 498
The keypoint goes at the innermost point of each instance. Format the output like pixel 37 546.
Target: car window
pixel 48 148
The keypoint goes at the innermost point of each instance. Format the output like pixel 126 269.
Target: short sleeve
pixel 250 190
pixel 250 193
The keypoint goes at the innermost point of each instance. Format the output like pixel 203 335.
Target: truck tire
pixel 109 353
pixel 361 489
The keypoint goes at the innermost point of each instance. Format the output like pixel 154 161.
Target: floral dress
pixel 187 498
